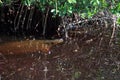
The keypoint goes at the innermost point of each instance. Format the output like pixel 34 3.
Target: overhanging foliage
pixel 86 8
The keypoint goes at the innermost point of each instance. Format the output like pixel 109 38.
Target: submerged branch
pixel 28 46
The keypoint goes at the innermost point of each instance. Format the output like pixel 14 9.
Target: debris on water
pixel 11 52
pixel 19 69
pixel 32 55
pixel 33 38
pixel 49 52
pixel 39 51
pixel 75 50
pixel 19 46
pixel 32 69
pixel 45 69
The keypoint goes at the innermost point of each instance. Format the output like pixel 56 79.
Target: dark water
pixel 72 60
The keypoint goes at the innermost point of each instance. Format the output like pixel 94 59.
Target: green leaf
pixel 28 2
pixel 72 1
pixel 53 10
pixel 70 11
pixel 118 6
pixel 97 1
pixel 76 75
pixel 1 1
pixel 118 21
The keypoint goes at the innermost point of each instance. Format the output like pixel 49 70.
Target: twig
pixel 45 21
pixel 30 17
pixel 113 31
pixel 23 21
pixel 19 17
pixel 15 20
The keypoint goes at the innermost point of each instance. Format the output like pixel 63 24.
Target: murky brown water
pixel 73 60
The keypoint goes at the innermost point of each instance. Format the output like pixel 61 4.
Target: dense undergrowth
pixel 86 8
pixel 39 17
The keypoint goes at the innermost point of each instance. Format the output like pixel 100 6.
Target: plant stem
pixel 45 22
pixel 20 15
pixel 15 20
pixel 56 6
pixel 23 21
pixel 30 17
